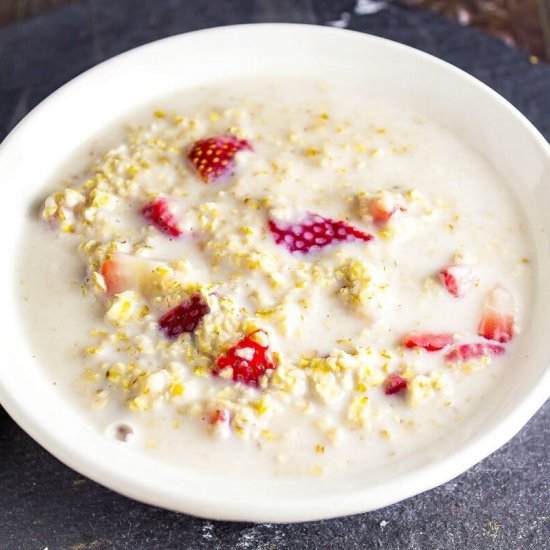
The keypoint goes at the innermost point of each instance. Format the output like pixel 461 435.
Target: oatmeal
pixel 305 284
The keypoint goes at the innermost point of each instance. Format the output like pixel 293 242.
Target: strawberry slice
pixel 465 352
pixel 382 210
pixel 249 358
pixel 430 342
pixel 214 157
pixel 395 383
pixel 458 279
pixel 158 214
pixel 219 417
pixel 185 317
pixel 314 232
pixel 498 316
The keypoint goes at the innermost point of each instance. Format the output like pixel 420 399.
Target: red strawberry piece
pixel 381 210
pixel 458 279
pixel 395 383
pixel 314 232
pixel 219 417
pixel 465 352
pixel 185 317
pixel 121 272
pixel 249 358
pixel 214 157
pixel 430 342
pixel 158 214
pixel 498 316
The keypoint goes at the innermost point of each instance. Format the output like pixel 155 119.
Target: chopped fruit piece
pixel 249 358
pixel 185 317
pixel 458 279
pixel 219 417
pixel 120 272
pixel 430 342
pixel 466 352
pixel 158 214
pixel 394 384
pixel 382 209
pixel 218 422
pixel 314 232
pixel 214 157
pixel 126 272
pixel 498 316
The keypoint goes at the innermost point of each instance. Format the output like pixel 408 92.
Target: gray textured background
pixel 501 504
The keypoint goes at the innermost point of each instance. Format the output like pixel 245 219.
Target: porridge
pixel 262 270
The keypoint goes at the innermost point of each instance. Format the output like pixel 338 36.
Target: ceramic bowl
pixel 77 112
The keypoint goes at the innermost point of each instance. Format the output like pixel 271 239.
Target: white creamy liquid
pixel 316 147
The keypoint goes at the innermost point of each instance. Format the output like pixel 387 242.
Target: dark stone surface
pixel 501 504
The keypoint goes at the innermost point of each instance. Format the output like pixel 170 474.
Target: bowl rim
pixel 422 479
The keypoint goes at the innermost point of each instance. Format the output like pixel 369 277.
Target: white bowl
pixel 81 109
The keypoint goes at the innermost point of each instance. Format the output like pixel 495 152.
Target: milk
pixel 318 147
